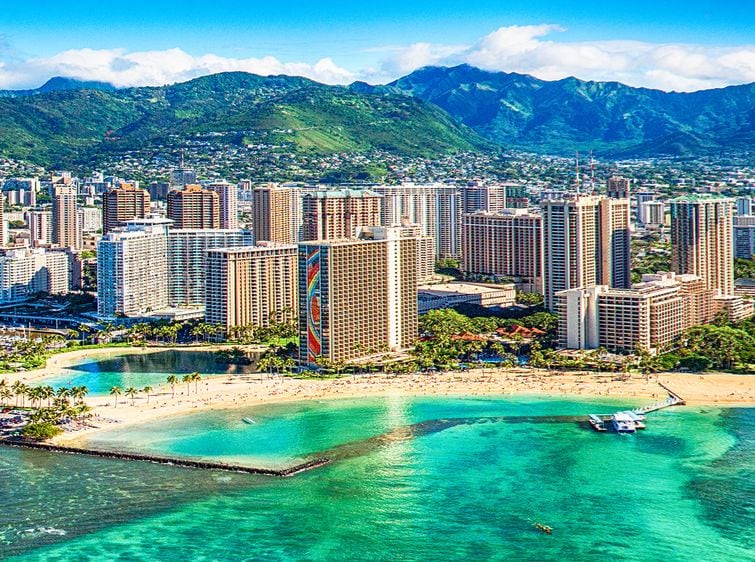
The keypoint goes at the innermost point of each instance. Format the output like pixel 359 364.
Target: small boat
pixel 544 528
pixel 622 423
pixel 596 423
pixel 248 420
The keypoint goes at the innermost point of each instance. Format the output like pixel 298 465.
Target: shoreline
pixel 223 393
pixel 59 361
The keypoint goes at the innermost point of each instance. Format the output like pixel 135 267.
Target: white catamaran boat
pixel 623 423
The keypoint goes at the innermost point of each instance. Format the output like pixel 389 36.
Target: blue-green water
pixel 468 488
pixel 138 371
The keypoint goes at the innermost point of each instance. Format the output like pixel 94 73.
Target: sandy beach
pixel 238 391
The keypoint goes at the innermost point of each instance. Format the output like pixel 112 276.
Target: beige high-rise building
pixel 585 243
pixel 650 315
pixel 25 272
pixel 271 214
pixel 250 286
pixel 66 230
pixel 425 250
pixel 229 206
pixel 335 214
pixel 357 297
pixel 123 204
pixel 506 244
pixel 40 228
pixel 437 208
pixel 701 239
pixel 194 207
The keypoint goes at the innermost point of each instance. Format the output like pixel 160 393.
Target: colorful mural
pixel 314 334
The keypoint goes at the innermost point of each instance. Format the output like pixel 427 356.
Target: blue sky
pixel 379 41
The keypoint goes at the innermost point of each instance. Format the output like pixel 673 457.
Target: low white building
pixel 448 295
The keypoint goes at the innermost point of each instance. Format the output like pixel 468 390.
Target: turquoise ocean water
pixel 150 369
pixel 455 479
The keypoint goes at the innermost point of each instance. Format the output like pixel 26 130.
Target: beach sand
pixel 236 391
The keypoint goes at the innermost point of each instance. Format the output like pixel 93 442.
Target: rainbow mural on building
pixel 314 341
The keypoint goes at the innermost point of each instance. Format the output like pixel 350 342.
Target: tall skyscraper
pixel 250 286
pixel 357 296
pixel 744 236
pixel 187 249
pixel 66 229
pixel 701 239
pixel 25 272
pixel 585 243
pixel 132 271
pixel 437 208
pixel 506 244
pixel 123 204
pixel 229 208
pixel 40 228
pixel 334 214
pixel 745 206
pixel 194 207
pixel 271 214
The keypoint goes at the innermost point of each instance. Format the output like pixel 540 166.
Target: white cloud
pixel 529 50
pixel 156 68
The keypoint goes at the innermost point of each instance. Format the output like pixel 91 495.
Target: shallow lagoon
pixel 683 489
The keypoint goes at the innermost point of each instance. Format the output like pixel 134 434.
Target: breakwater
pixel 171 461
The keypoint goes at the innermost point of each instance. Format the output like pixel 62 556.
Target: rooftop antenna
pixel 182 158
pixel 592 174
pixel 577 177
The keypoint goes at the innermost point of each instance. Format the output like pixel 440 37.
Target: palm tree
pixel 6 395
pixel 172 381
pixel 195 378
pixel 19 389
pixel 63 393
pixel 132 392
pixel 116 391
pixel 187 379
pixel 146 390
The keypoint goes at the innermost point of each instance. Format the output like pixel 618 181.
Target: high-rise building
pixel 425 250
pixel 651 214
pixel 506 244
pixel 123 204
pixel 271 214
pixel 26 271
pixel 437 208
pixel 40 228
pixel 745 206
pixel 744 236
pixel 617 188
pixel 132 271
pixel 701 239
pixel 90 219
pixel 229 207
pixel 182 176
pixel 585 243
pixel 194 207
pixel 649 315
pixel 187 253
pixel 252 286
pixel 334 214
pixel 357 296
pixel 66 229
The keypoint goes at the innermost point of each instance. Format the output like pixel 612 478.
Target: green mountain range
pixel 68 126
pixel 431 111
pixel 557 117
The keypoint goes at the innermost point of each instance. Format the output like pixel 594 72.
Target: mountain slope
pixel 524 112
pixel 65 127
pixel 57 84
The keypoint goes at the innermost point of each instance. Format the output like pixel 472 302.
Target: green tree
pixel 172 381
pixel 132 392
pixel 146 390
pixel 116 391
